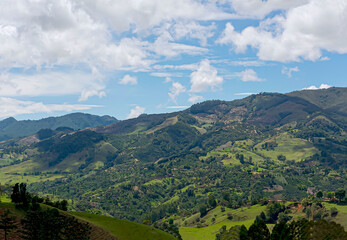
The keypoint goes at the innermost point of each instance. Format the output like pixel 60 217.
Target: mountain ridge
pixel 11 128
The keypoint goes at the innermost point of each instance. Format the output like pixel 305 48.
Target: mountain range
pixel 268 145
pixel 11 128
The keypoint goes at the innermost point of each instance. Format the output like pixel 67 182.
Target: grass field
pixel 124 230
pixel 241 216
pixel 293 148
pixel 341 217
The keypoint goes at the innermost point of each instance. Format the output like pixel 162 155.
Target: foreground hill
pixel 102 228
pixel 11 128
pixel 269 145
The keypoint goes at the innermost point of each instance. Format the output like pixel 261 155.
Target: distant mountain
pixel 323 98
pixel 11 128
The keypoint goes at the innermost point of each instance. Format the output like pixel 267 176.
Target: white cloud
pixel 288 71
pixel 193 30
pixel 12 107
pixel 125 14
pixel 205 78
pixel 135 112
pixel 48 84
pixel 324 58
pixel 260 8
pixel 175 90
pixel 248 63
pixel 164 46
pixel 127 79
pixel 322 86
pixel 302 33
pixel 249 75
pixel 195 98
pixel 61 33
pixel 192 67
pixel 90 93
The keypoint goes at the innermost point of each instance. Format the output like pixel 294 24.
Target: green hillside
pixel 324 98
pixel 11 128
pixel 123 229
pixel 103 228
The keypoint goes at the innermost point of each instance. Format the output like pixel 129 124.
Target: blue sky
pixel 127 57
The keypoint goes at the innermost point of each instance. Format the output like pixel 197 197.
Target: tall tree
pixel 258 231
pixel 281 232
pixel 7 222
pixel 212 201
pixel 340 194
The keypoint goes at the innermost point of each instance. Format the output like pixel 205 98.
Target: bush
pixel 333 212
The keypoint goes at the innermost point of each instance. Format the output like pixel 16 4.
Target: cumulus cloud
pixel 249 75
pixel 124 14
pixel 195 98
pixel 302 33
pixel 135 112
pixel 164 46
pixel 175 90
pixel 288 71
pixel 61 33
pixel 193 30
pixel 127 79
pixel 49 84
pixel 205 78
pixel 10 107
pixel 322 86
pixel 90 93
pixel 260 8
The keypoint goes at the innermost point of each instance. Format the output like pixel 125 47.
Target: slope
pixel 11 128
pixel 103 228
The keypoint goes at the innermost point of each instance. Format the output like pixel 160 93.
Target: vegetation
pixel 301 229
pixel 188 166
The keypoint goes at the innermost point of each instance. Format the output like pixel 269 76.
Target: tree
pixel 298 229
pixel 15 196
pixel 258 231
pixel 263 216
pixel 340 194
pixel 7 223
pixel 212 201
pixel 20 196
pixel 283 217
pixel 280 232
pixel 281 157
pixel 330 195
pixel 203 210
pixel 243 233
pixel 319 194
pixel 272 211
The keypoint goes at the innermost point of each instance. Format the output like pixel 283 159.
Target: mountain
pixel 269 145
pixel 11 128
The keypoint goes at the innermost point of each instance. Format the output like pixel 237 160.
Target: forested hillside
pixel 265 146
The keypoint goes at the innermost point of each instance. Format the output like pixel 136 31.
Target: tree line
pixel 41 222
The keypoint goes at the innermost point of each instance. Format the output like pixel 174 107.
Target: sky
pixel 124 58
